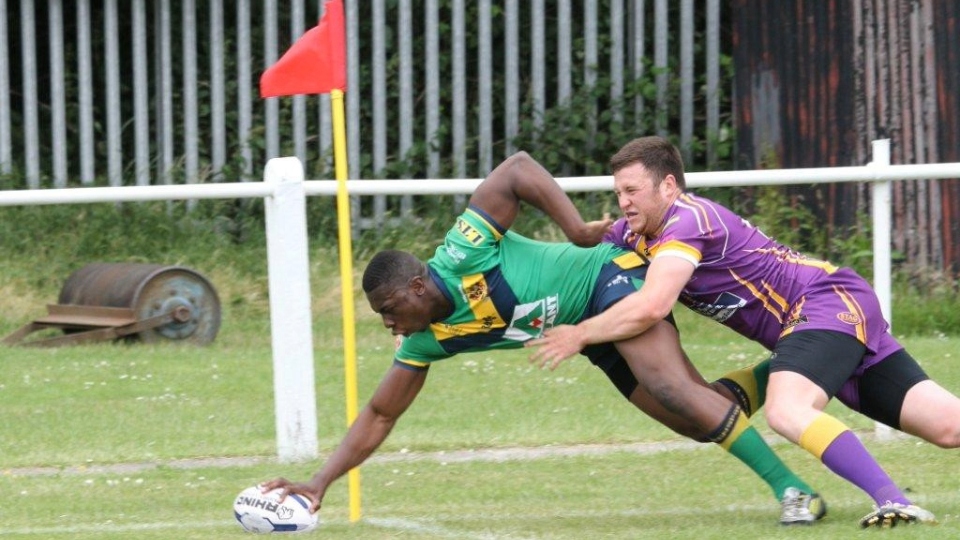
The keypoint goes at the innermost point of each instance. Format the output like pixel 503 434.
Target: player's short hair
pixel 391 267
pixel 656 154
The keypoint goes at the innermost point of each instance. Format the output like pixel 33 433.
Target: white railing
pixel 284 192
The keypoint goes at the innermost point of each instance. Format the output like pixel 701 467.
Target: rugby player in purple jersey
pixel 822 323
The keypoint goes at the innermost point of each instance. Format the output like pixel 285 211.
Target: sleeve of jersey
pixel 418 351
pixel 617 234
pixel 470 246
pixel 684 238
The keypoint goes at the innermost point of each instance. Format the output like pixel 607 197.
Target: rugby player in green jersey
pixel 489 288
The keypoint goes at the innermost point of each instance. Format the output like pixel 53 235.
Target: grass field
pixel 153 441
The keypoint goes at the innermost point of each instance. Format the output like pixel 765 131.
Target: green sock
pixel 749 385
pixel 745 442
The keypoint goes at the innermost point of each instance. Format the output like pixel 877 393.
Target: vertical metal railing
pixel 297 27
pixel 485 93
pixel 168 92
pixel 31 124
pixel 244 91
pixel 111 38
pixel 6 141
pixel 379 106
pixel 165 101
pixel 218 121
pixel 405 85
pixel 141 93
pixel 58 102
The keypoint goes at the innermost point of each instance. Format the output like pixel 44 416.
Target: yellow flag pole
pixel 346 283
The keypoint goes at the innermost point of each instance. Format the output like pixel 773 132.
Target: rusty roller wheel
pixel 150 290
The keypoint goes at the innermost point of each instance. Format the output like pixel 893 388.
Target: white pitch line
pixel 115 527
pixel 408 525
pixel 442 456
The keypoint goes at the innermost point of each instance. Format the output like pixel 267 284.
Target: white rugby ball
pixel 260 512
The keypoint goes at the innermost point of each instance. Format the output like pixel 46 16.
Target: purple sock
pixel 847 457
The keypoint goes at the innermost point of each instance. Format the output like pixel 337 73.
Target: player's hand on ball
pixel 261 510
pixel 304 489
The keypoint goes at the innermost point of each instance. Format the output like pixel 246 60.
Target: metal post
pixel 6 136
pixel 880 195
pixel 290 317
pixel 31 106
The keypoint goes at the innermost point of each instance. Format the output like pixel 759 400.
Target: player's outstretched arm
pixel 396 392
pixel 522 178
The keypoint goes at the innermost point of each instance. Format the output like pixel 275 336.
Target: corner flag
pixel 317 64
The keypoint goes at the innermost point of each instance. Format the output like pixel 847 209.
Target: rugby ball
pixel 260 512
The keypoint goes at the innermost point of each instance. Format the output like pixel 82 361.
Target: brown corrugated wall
pixel 946 16
pixel 818 80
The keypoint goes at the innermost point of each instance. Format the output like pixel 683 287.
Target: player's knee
pixel 669 395
pixel 780 416
pixel 947 435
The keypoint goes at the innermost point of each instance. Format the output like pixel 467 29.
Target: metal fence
pixel 134 106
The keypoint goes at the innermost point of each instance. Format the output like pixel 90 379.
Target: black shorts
pixel 825 357
pixel 830 360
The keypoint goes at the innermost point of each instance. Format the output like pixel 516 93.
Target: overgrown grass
pixel 224 240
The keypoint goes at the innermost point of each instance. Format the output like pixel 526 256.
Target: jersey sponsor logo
pixel 795 322
pixel 446 330
pixel 619 280
pixel 849 318
pixel 480 325
pixel 531 319
pixel 488 322
pixel 725 306
pixel 454 253
pixel 469 232
pixel 476 291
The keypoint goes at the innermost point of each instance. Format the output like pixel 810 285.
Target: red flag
pixel 316 63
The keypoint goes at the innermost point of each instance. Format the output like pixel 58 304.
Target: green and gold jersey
pixel 505 288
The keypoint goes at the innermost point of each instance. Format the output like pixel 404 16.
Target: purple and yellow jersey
pixel 506 289
pixel 759 288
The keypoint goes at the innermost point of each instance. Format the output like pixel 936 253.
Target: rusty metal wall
pixel 817 80
pixel 946 17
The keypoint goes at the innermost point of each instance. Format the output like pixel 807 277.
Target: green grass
pixel 113 441
pixel 680 494
pixel 119 421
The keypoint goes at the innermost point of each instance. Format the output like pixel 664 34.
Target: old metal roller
pixel 150 290
pixel 152 302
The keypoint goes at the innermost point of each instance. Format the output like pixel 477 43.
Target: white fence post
pixel 880 195
pixel 290 317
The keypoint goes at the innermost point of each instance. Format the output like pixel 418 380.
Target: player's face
pixel 404 310
pixel 641 202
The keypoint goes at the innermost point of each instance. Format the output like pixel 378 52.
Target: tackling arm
pixel 627 318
